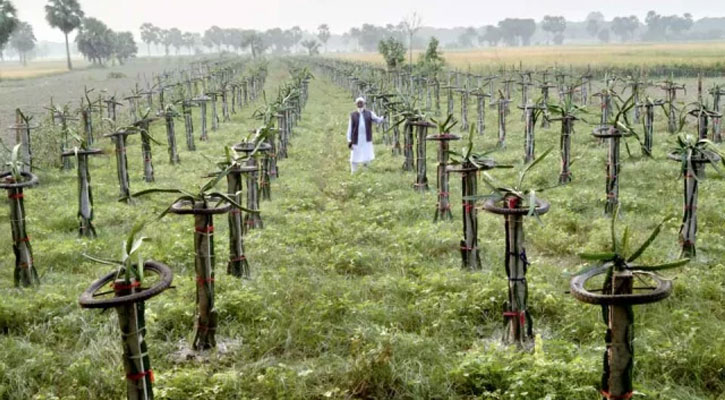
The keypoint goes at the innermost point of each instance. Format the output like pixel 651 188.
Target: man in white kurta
pixel 359 135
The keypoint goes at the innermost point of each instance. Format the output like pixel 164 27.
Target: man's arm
pixel 375 118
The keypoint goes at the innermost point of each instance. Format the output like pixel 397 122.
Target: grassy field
pixel 356 293
pixel 34 69
pixel 697 55
pixel 34 94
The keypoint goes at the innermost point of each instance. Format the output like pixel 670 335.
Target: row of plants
pixel 624 282
pixel 131 286
pixel 617 120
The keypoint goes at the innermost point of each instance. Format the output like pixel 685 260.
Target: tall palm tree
pixel 65 15
pixel 8 21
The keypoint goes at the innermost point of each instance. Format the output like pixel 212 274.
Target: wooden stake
pixel 171 138
pixel 516 316
pixel 253 220
pixel 469 245
pixel 408 145
pixel 25 273
pixel 85 198
pixel 567 124
pixel 206 314
pixel 188 125
pixel 619 355
pixel 688 229
pixel 136 361
pixel 421 180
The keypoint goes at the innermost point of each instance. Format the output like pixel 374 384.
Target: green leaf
pixel 491 183
pixel 190 199
pixel 587 268
pixel 652 236
pixel 15 162
pixel 154 190
pixel 625 240
pixel 103 261
pixel 531 165
pixel 615 215
pixel 231 201
pixel 137 244
pixel 214 181
pixel 660 267
pixel 137 227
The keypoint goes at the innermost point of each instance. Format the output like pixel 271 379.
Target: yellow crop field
pixel 14 70
pixel 704 55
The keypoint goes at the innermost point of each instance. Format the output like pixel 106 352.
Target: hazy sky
pixel 197 15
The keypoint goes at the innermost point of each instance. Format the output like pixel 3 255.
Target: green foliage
pixel 491 373
pixel 565 108
pixel 312 46
pixel 690 147
pixel 446 125
pixel 491 34
pixel 23 40
pixel 95 40
pixel 65 15
pixel 469 156
pixel 323 33
pixel 556 25
pixel 98 43
pixel 432 61
pixel 130 247
pixel 405 109
pixel 517 30
pixel 355 289
pixel 8 21
pixel 124 46
pixel 620 255
pixel 150 33
pixel 393 51
pixel 46 142
pixel 15 164
pixel 115 75
pixel 525 194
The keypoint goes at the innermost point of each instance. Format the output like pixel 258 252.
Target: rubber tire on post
pixel 122 132
pixel 247 147
pixel 606 132
pixel 661 291
pixel 442 137
pixel 30 180
pixel 674 156
pixel 87 301
pixel 87 152
pixel 542 207
pixel 181 208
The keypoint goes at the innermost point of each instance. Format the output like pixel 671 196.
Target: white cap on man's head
pixel 359 99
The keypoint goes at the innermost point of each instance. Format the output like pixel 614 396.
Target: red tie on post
pixel 208 229
pixel 202 281
pixel 520 314
pixel 141 375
